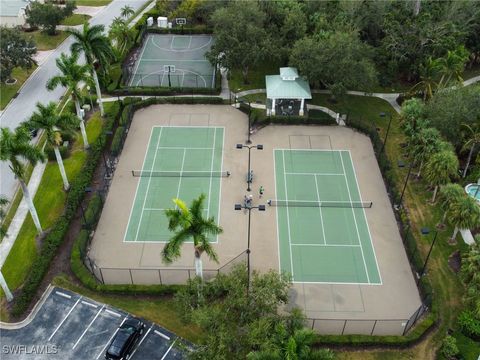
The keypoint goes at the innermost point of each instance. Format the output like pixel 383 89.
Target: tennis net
pixel 331 204
pixel 149 173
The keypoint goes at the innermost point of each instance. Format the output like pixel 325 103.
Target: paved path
pixel 34 89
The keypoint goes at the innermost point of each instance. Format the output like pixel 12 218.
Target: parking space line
pixel 113 313
pixel 65 318
pixel 108 342
pixel 88 304
pixel 141 341
pixel 63 294
pixel 88 327
pixel 162 335
pixel 170 348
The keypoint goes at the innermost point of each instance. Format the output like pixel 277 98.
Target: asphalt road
pixel 69 326
pixel 35 91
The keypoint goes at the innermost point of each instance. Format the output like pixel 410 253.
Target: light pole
pixel 382 114
pixel 249 208
pixel 428 257
pixel 249 173
pixel 406 182
pixel 249 122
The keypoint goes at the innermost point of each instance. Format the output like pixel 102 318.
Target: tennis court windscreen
pixel 331 204
pixel 149 173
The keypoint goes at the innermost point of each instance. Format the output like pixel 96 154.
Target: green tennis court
pixel 180 162
pixel 174 61
pixel 322 227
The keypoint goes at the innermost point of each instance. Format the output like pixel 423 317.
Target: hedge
pixel 58 231
pixel 297 120
pixel 117 141
pixel 94 209
pixel 188 30
pixel 165 91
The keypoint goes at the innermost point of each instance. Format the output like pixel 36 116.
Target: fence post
pixel 160 276
pixel 101 275
pixel 131 277
pixel 373 328
pixel 344 325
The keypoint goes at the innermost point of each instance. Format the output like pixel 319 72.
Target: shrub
pixel 449 347
pixel 469 324
pixel 165 91
pixel 117 141
pixel 93 211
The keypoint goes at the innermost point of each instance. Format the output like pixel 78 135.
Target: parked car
pixel 125 340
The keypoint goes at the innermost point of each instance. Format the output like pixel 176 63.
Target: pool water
pixel 473 190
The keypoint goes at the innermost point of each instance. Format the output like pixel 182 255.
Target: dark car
pixel 125 339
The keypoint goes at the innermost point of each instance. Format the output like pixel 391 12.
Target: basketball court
pixel 174 61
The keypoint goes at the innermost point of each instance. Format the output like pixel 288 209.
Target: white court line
pixel 329 245
pixel 355 220
pixel 148 186
pixel 220 182
pixel 162 335
pixel 320 174
pixel 88 327
pixel 63 294
pixel 183 78
pixel 139 61
pixel 288 216
pixel 113 313
pixel 210 38
pixel 175 60
pixel 180 178
pixel 65 318
pixel 321 213
pixel 182 147
pixel 141 341
pixel 108 342
pixel 190 42
pixel 153 209
pixel 88 304
pixel 171 42
pixel 168 350
pixel 177 69
pixel 277 210
pixel 211 170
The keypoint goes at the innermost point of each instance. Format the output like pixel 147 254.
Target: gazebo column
pixel 273 107
pixel 302 104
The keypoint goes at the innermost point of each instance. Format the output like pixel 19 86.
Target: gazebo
pixel 286 93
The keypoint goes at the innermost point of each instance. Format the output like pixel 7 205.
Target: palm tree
pixel 423 144
pixel 127 11
pixel 72 74
pixel 440 168
pixel 428 76
pixel 47 119
pixel 123 37
pixel 471 275
pixel 472 142
pixel 449 195
pixel 14 148
pixel 452 65
pixel 97 49
pixel 3 202
pixel 464 214
pixel 189 223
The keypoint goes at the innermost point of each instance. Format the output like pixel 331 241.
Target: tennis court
pixel 322 227
pixel 174 61
pixel 180 162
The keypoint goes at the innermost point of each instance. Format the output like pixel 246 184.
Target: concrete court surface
pixel 395 300
pixel 69 326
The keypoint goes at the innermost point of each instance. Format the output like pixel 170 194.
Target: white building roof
pixel 12 7
pixel 287 85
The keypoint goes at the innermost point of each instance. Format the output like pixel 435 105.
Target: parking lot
pixel 69 326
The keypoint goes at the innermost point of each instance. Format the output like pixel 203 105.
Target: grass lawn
pixel 92 2
pixel 256 77
pixel 7 92
pixel 75 19
pixel 160 310
pixel 49 202
pixel 47 42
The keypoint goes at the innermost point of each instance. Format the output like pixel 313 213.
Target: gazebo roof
pixel 278 87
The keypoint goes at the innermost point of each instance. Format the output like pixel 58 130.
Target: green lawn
pixel 92 2
pixel 159 309
pixel 256 77
pixel 47 42
pixel 7 92
pixel 75 19
pixel 49 202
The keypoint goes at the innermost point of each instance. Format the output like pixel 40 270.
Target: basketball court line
pixel 139 61
pixel 210 38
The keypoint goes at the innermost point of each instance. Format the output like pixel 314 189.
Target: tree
pixel 473 139
pixel 339 61
pixel 241 41
pixel 452 65
pixel 127 11
pixel 15 148
pixel 71 75
pixel 412 117
pixel 48 15
pixel 440 168
pixel 188 223
pixel 423 143
pixel 471 276
pixel 464 214
pixel 97 49
pixel 123 37
pixel 15 51
pixel 449 195
pixel 53 125
pixel 428 79
pixel 3 203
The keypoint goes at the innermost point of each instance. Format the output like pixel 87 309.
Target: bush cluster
pixel 93 211
pixel 117 142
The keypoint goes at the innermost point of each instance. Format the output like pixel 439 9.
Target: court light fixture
pixel 250 172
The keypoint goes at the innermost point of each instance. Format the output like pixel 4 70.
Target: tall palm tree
pixel 428 79
pixel 122 36
pixel 47 119
pixel 15 148
pixel 423 144
pixel 3 202
pixel 471 143
pixel 72 74
pixel 188 223
pixel 452 65
pixel 464 214
pixel 449 195
pixel 97 49
pixel 127 11
pixel 471 275
pixel 440 168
